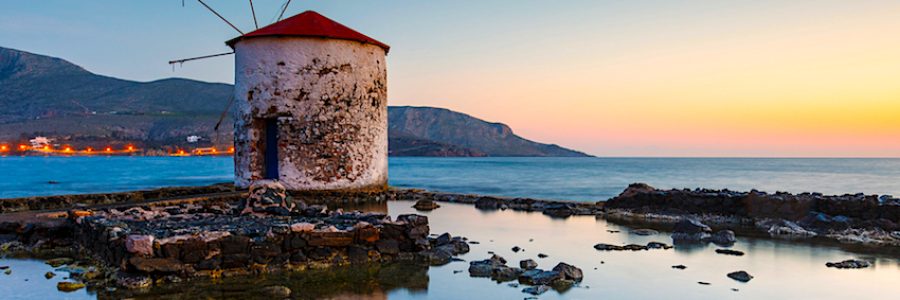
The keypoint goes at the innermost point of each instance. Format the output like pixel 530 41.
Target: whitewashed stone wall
pixel 330 99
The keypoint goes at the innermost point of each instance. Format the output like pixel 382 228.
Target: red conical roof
pixel 312 24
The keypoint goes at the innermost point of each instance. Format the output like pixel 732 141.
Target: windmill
pixel 310 104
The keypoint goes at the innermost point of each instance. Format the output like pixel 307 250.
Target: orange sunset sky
pixel 611 78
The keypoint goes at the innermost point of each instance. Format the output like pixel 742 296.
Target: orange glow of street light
pixel 130 148
pixel 4 148
pixel 23 147
pixel 46 148
pixel 67 149
pixel 108 149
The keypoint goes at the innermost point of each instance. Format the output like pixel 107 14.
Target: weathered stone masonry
pixel 329 97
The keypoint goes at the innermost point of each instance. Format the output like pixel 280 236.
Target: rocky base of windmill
pixel 868 220
pixel 136 247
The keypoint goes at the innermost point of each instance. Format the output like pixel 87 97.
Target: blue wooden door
pixel 271 153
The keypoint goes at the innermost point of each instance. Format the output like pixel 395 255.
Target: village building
pixel 310 106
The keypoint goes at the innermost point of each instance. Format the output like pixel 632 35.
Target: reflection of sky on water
pixel 782 269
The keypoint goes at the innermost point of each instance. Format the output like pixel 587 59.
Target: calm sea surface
pixel 585 179
pixel 782 269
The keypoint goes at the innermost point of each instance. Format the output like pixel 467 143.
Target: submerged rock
pixel 632 247
pixel 741 276
pixel 644 232
pixel 67 286
pixel 690 230
pixel 49 275
pixel 536 290
pixel 539 277
pixel 723 237
pixel 56 262
pixel 730 252
pixel 426 205
pixel 849 264
pixel 277 291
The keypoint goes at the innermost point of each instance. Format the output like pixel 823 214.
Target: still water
pixel 583 179
pixel 781 269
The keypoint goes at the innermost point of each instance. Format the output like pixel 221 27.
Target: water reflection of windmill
pixel 310 103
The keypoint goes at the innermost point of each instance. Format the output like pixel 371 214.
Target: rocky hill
pixel 47 96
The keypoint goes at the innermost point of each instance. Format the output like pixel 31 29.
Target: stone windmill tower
pixel 310 106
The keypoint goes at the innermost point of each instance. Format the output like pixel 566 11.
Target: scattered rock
pixel 690 230
pixel 632 247
pixel 539 277
pixel 849 264
pixel 516 249
pixel 723 237
pixel 426 205
pixel 277 291
pixel 457 271
pixel 67 286
pixel 703 282
pixel 741 276
pixel 541 255
pixel 658 245
pixel 49 275
pixel 786 229
pixel 730 252
pixel 485 268
pixel 680 267
pixel 56 262
pixel 4 267
pixel 613 231
pixel 134 282
pixel 512 285
pixel 536 290
pixel 644 231
pixel 7 272
pixel 528 264
pixel 569 272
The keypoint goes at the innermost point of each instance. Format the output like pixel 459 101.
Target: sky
pixel 611 78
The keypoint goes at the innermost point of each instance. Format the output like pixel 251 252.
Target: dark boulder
pixel 849 264
pixel 569 272
pixel 723 238
pixel 741 276
pixel 528 264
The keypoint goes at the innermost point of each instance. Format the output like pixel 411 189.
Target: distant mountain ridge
pixel 49 96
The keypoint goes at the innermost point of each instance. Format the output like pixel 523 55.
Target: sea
pixel 781 269
pixel 579 179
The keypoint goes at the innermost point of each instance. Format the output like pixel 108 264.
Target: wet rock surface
pixel 741 276
pixel 562 275
pixel 139 246
pixel 730 252
pixel 632 247
pixel 849 264
pixel 426 205
pixel 857 218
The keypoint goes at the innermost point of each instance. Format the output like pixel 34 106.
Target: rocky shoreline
pixel 867 220
pixel 126 245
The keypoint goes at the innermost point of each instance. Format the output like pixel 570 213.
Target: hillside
pixel 47 96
